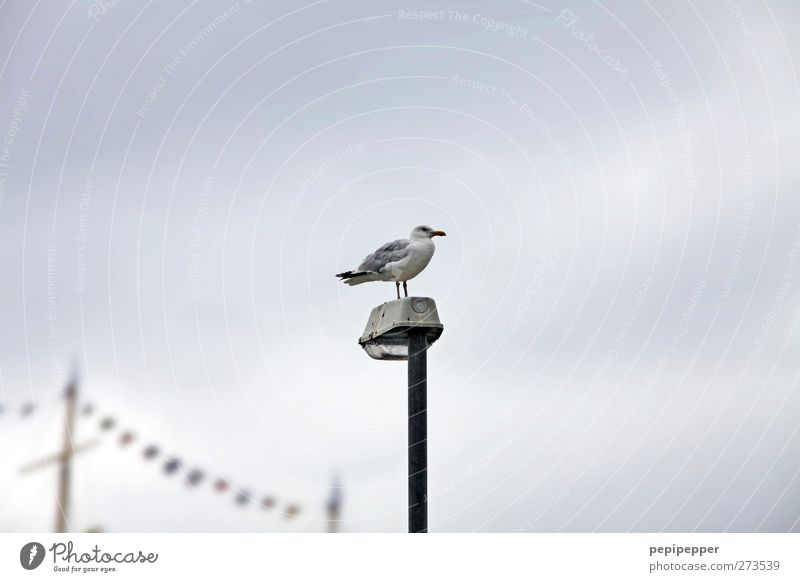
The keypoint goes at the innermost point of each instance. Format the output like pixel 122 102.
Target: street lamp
pixel 403 330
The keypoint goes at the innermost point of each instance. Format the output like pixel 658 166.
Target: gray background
pixel 618 182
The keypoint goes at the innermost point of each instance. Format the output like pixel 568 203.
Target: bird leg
pixel 397 286
pixel 405 288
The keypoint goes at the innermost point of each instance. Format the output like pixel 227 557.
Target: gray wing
pixel 388 253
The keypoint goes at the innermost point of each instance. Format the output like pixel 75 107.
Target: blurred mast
pixel 64 457
pixel 334 505
pixel 65 470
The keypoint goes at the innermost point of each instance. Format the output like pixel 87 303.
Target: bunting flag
pixel 126 438
pixel 71 388
pixel 172 465
pixel 193 478
pixel 26 409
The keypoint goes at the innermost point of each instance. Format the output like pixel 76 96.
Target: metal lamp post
pixel 404 329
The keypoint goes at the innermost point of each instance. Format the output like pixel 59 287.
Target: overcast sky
pixel 179 182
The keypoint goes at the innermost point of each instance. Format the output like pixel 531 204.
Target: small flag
pixel 291 511
pixel 27 409
pixel 107 423
pixel 172 465
pixel 267 503
pixel 150 452
pixel 126 438
pixel 221 485
pixel 243 497
pixel 87 409
pixel 70 390
pixel 194 477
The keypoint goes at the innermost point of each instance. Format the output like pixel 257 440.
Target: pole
pixel 417 432
pixel 334 506
pixel 333 520
pixel 65 470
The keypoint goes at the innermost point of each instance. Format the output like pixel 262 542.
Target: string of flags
pixel 194 477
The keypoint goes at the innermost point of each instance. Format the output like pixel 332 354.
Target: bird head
pixel 423 232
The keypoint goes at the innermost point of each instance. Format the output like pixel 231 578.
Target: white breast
pixel 417 260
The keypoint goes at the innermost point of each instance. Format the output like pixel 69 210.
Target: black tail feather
pixel 350 274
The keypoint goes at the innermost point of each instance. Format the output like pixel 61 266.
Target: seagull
pixel 398 261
